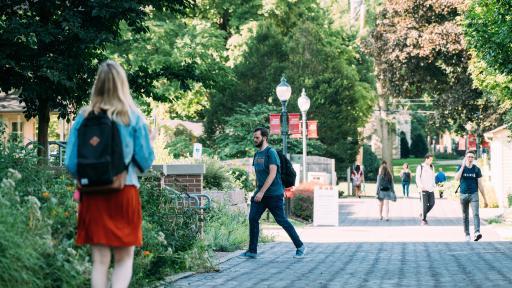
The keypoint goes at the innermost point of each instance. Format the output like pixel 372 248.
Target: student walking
pixel 406 177
pixel 425 179
pixel 268 195
pixel 357 177
pixel 109 215
pixel 470 177
pixel 385 189
pixel 440 181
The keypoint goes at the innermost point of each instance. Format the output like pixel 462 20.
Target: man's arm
pixel 458 175
pixel 418 178
pixel 482 192
pixel 271 176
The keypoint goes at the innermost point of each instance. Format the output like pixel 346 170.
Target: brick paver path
pixel 366 252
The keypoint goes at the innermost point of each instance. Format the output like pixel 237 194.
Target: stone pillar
pixel 185 177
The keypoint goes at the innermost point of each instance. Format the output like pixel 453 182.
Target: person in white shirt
pixel 425 180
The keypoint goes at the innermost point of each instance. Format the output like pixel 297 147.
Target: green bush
pixel 371 164
pixel 216 176
pixel 242 179
pixel 302 207
pixel 38 207
pixel 419 146
pixel 171 235
pixel 226 230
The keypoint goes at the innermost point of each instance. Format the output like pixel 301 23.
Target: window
pixel 17 129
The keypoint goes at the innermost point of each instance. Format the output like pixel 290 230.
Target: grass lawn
pixel 449 169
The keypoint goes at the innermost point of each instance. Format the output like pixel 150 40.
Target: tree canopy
pixel 51 49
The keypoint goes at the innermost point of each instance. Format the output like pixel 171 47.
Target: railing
pixel 58 155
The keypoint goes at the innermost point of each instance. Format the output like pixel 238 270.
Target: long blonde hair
pixel 111 93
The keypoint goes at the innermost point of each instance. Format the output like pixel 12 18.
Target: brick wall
pixel 186 177
pixel 189 183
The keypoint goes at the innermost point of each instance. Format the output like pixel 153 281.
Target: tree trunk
pixel 42 130
pixel 386 136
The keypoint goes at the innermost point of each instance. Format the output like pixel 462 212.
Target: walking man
pixel 425 179
pixel 470 178
pixel 268 195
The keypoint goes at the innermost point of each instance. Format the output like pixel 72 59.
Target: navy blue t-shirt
pixel 469 179
pixel 262 161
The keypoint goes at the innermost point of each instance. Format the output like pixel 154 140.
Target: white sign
pixel 325 207
pixel 198 150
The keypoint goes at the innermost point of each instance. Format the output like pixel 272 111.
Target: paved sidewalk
pixel 366 252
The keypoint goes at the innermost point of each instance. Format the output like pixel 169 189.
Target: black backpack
pixel 385 185
pixel 288 174
pixel 100 159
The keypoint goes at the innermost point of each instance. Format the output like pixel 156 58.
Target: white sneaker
pixel 478 236
pixel 468 238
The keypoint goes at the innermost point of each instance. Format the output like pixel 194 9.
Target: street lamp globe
pixel 469 126
pixel 303 101
pixel 283 90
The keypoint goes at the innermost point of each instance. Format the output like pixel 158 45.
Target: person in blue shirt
pixel 112 222
pixel 440 181
pixel 269 195
pixel 470 178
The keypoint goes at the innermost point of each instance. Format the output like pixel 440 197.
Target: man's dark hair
pixel 263 131
pixel 428 156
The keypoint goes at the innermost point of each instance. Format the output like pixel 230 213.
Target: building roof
pixel 10 103
pixel 196 128
pixel 490 133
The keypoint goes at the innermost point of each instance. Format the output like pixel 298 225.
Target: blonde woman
pixel 385 189
pixel 112 222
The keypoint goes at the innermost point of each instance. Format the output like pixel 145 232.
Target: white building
pixel 501 163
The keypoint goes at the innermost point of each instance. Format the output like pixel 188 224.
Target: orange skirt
pixel 113 219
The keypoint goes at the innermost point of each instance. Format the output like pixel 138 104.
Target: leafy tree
pixel 236 140
pixel 51 49
pixel 179 61
pixel 371 163
pixel 404 146
pixel 297 40
pixel 420 52
pixel 488 31
pixel 419 146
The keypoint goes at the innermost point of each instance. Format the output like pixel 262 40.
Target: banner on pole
pixel 312 129
pixel 275 124
pixel 294 123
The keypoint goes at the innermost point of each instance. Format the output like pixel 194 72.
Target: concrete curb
pixel 179 276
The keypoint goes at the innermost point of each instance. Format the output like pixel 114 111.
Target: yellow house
pixel 11 115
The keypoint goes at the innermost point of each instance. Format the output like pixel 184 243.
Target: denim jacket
pixel 136 144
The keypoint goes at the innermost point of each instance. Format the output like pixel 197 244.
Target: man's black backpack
pixel 288 174
pixel 100 159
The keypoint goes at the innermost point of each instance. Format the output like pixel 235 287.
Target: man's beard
pixel 259 144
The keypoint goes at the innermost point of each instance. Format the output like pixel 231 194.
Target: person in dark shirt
pixel 268 195
pixel 470 178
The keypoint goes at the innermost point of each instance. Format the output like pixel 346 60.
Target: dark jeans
pixel 405 188
pixel 275 205
pixel 465 200
pixel 428 202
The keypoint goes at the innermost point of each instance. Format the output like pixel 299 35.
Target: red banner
pixel 294 123
pixel 312 129
pixel 275 124
pixel 472 142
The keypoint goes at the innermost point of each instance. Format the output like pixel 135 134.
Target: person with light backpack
pixel 425 180
pixel 274 172
pixel 108 145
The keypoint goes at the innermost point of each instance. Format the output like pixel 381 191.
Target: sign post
pixel 325 206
